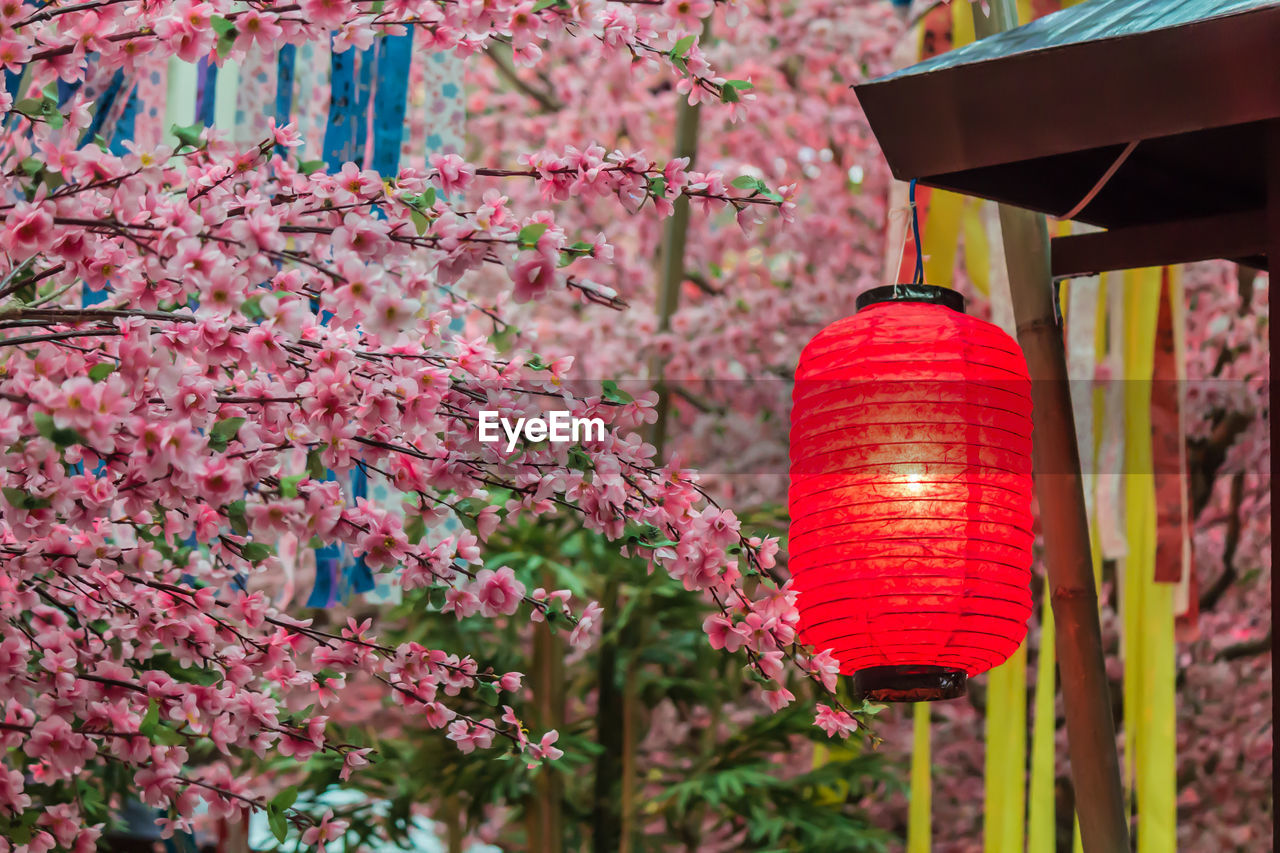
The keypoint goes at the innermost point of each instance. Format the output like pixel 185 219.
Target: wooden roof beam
pixel 1233 235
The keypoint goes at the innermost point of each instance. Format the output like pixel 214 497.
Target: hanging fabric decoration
pixel 1147 641
pixel 1041 818
pixel 1110 499
pixel 149 128
pixel 256 96
pixel 285 59
pixel 340 134
pixel 312 97
pixel 920 804
pixel 1005 771
pixel 910 537
pixel 444 109
pixel 390 102
pixel 365 62
pixel 1168 432
pixel 206 91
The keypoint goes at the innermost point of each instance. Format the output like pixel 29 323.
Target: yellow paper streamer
pixel 1041 820
pixel 1005 777
pixel 941 238
pixel 1146 606
pixel 920 810
pixel 977 247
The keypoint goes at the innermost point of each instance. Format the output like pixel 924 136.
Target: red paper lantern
pixel 910 542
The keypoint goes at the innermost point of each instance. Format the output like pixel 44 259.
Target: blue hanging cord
pixel 915 234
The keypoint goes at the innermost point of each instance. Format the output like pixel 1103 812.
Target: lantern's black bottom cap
pixel 908 683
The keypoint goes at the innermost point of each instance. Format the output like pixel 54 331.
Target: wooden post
pixel 1091 737
pixel 1271 153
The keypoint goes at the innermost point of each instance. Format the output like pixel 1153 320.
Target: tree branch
pixel 507 72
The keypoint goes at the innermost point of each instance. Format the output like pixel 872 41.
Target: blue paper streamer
pixel 359 579
pixel 285 60
pixel 103 107
pixel 364 88
pixel 339 135
pixel 206 92
pixel 326 569
pixel 123 131
pixel 12 79
pixel 390 102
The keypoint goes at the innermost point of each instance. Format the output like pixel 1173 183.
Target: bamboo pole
pixel 1091 738
pixel 674 239
pixel 548 691
pixel 1272 167
pixel 627 706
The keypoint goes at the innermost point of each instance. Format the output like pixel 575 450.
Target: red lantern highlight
pixel 910 496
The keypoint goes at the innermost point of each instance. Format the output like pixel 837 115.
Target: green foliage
pixel 655 638
pixel 223 432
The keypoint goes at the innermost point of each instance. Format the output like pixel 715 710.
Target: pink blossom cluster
pixel 265 323
pixel 58 43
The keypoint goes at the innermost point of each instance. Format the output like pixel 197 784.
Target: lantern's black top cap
pixel 930 293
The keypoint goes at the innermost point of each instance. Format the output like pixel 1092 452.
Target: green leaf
pixel 66 436
pixel 414 529
pixel 738 84
pixel 226 31
pixel 579 460
pixel 729 95
pixel 315 468
pixel 189 135
pixel 252 308
pixel 150 720
pixel 420 222
pixel 745 182
pixel 613 394
pixel 101 371
pixel 307 167
pixel 435 597
pixel 20 499
pixel 256 552
pixel 279 823
pixel 289 485
pixel 545 4
pixel 657 538
pixel 29 107
pixel 235 514
pixel 223 432
pixel 681 48
pixel 44 424
pixel 529 234
pixel 166 736
pixel 286 798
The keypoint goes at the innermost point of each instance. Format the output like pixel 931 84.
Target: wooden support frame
pixel 1073 97
pixel 1272 165
pixel 1240 236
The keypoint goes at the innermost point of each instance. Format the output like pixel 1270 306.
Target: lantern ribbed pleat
pixel 910 541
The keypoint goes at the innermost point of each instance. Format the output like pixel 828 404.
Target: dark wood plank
pixel 1212 73
pixel 1235 235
